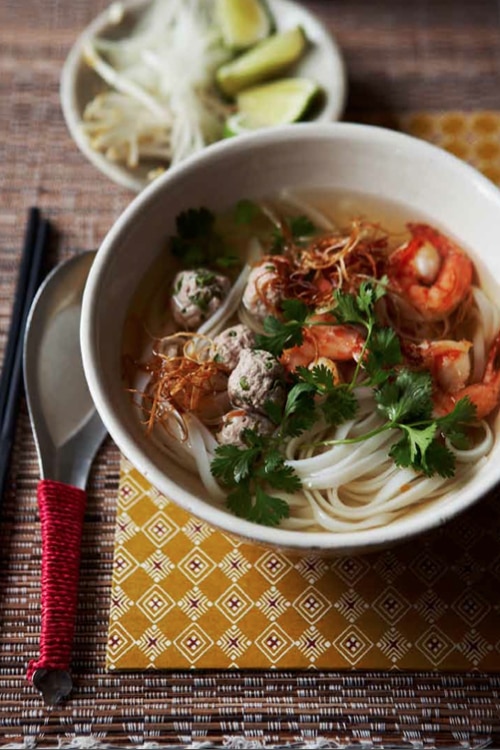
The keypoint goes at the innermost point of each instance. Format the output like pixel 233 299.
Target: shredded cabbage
pixel 161 103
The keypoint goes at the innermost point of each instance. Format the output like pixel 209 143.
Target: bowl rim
pixel 333 108
pixel 365 540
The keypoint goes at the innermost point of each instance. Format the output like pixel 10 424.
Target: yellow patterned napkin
pixel 185 595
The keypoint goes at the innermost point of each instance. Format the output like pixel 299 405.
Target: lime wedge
pixel 243 22
pixel 277 103
pixel 267 59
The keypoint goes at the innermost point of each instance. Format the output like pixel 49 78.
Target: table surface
pixel 402 57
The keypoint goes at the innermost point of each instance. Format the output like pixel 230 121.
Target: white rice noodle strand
pixel 317 217
pixel 219 319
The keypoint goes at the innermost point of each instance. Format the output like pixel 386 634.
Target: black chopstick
pixel 30 272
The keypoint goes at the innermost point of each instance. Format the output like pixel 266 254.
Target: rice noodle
pixel 317 217
pixel 219 319
pixel 162 104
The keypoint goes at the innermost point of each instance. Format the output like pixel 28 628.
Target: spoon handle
pixel 62 509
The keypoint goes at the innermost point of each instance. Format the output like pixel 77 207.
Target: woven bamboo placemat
pixel 422 709
pixel 401 58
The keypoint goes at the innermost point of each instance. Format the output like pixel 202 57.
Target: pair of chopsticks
pixel 30 273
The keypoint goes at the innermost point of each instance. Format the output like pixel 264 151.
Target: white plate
pixel 79 83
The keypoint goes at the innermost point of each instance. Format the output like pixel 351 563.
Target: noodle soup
pixel 325 361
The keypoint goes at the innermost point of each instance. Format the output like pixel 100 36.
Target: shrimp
pixel 431 272
pixel 322 343
pixel 447 361
pixel 484 395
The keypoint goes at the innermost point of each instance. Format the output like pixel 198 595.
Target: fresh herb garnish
pixel 246 211
pixel 403 399
pixel 381 351
pixel 337 402
pixel 282 334
pixel 249 473
pixel 197 243
pixel 298 228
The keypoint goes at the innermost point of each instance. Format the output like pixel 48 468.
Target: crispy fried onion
pixel 333 261
pixel 184 377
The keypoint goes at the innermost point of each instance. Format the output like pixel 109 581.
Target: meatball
pixel 257 378
pixel 265 288
pixel 197 295
pixel 234 422
pixel 231 342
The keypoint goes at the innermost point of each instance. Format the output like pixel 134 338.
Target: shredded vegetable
pixel 160 103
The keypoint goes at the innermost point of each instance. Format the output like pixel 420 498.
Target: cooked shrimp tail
pixel 431 272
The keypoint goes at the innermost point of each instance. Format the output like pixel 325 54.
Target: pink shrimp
pixel 447 361
pixel 484 395
pixel 322 343
pixel 431 272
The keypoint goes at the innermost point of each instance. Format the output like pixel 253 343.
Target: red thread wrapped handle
pixel 62 509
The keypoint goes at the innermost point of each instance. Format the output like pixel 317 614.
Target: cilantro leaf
pixel 419 440
pixel 370 291
pixel 319 377
pixel 300 410
pixel 406 398
pixel 278 242
pixel 438 460
pixel 420 449
pixel 283 334
pixel 279 335
pixel 384 353
pixel 294 310
pixel 360 308
pixel 339 406
pixel 195 222
pixel 452 424
pixel 278 475
pixel 260 508
pixel 347 309
pixel 245 211
pixel 297 396
pixel 301 226
pixel 337 402
pixel 248 471
pixel 197 243
pixel 233 464
pixel 274 411
pixel 400 452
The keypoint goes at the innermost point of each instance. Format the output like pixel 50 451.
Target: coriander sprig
pixel 381 350
pixel 285 333
pixel 405 401
pixel 250 472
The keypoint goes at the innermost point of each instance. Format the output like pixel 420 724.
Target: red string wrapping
pixel 62 509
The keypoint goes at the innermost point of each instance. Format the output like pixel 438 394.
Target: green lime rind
pixel 268 59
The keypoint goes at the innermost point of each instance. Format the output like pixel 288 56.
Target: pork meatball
pixel 231 342
pixel 197 295
pixel 265 288
pixel 234 422
pixel 257 378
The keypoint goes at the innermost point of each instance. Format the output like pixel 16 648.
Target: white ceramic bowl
pixel 79 83
pixel 354 157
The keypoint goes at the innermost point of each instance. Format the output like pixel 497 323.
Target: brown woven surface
pixel 402 57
